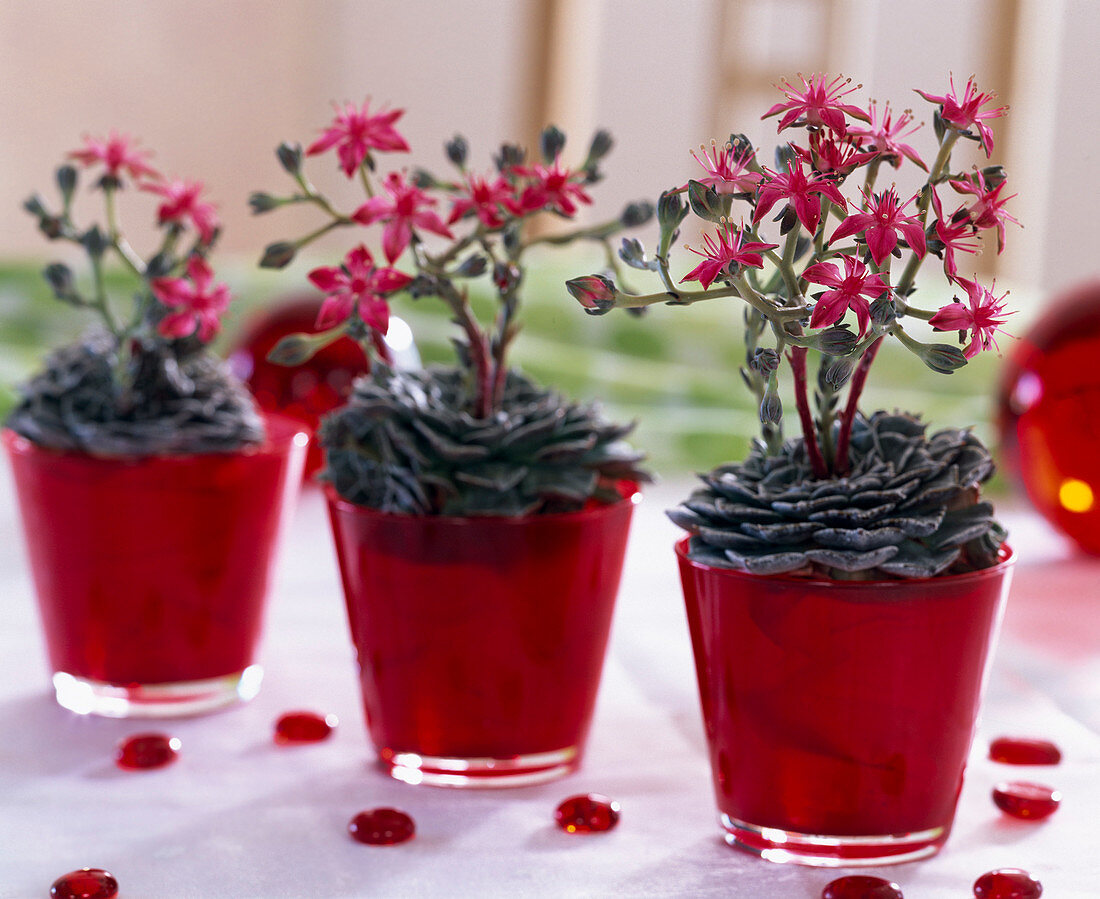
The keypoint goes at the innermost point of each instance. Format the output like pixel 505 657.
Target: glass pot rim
pixel 1007 558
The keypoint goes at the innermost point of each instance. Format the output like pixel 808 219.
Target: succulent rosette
pixel 825 262
pixel 476 438
pixel 142 382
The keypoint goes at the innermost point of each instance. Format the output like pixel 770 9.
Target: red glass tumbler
pixel 151 572
pixel 480 641
pixel 839 714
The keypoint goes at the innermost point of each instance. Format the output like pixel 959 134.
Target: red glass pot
pixel 480 641
pixel 151 572
pixel 839 714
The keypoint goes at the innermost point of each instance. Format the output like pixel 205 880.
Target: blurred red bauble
pixel 1048 415
pixel 305 392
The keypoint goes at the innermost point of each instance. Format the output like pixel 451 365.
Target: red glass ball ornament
pixel 303 392
pixel 587 813
pixel 382 827
pixel 1027 801
pixel 144 751
pixel 87 883
pixel 1007 883
pixel 304 727
pixel 861 886
pixel 1024 751
pixel 1048 414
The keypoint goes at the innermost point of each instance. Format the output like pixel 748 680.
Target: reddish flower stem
pixel 859 378
pixel 797 358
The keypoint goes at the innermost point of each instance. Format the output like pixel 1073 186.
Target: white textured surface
pixel 239 817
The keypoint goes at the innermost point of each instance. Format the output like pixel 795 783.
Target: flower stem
pixel 797 358
pixel 859 379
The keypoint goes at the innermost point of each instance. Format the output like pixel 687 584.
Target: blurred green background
pixel 673 370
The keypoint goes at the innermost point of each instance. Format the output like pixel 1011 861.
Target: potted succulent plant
pixel 150 488
pixel 480 519
pixel 843 585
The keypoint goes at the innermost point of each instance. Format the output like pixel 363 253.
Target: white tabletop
pixel 238 816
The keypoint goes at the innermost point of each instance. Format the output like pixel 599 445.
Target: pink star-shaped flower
pixel 817 104
pixel 487 199
pixel 953 232
pixel 357 285
pixel 355 132
pixel 966 112
pixel 117 154
pixel 722 255
pixel 199 302
pixel 553 186
pixel 406 208
pixel 183 203
pixel 983 317
pixel 987 209
pixel 884 135
pixel 829 156
pixel 850 290
pixel 880 225
pixel 728 169
pixel 802 192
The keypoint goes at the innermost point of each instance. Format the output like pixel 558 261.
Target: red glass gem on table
pixel 1028 801
pixel 304 392
pixel 1024 751
pixel 861 886
pixel 382 827
pixel 87 883
pixel 143 751
pixel 1007 883
pixel 1048 414
pixel 587 813
pixel 304 727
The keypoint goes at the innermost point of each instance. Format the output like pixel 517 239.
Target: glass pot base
pixel 790 847
pixel 475 773
pixel 172 700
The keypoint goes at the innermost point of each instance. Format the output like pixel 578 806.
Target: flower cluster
pixel 435 234
pixel 178 297
pixel 863 250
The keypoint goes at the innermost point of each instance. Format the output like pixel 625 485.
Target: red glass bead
pixel 382 827
pixel 142 751
pixel 1024 751
pixel 861 886
pixel 87 883
pixel 588 813
pixel 1029 801
pixel 1007 883
pixel 304 727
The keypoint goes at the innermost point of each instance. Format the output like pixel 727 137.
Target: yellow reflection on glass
pixel 1075 495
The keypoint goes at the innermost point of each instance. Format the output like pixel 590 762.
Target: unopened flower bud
pixel 599 148
pixel 472 266
pixel 771 408
pixel 456 149
pixel 261 202
pixel 34 205
pixel 883 312
pixel 670 211
pixel 785 156
pixel 705 201
pixel 94 241
pixel 551 142
pixel 594 292
pixel 66 182
pixel 424 179
pixel 60 278
pixel 837 372
pixel 278 255
pixel 764 361
pixel 637 213
pixel 509 157
pixel 994 176
pixel 290 157
pixel 294 349
pixel 506 276
pixel 942 357
pixel 836 341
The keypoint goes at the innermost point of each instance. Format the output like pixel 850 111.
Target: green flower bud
pixel 278 255
pixel 290 157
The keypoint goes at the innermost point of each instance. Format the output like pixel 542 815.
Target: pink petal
pixel 429 221
pixel 395 237
pixel 359 260
pixel 335 309
pixel 388 280
pixel 375 312
pixel 823 273
pixel 881 242
pixel 178 324
pixel 853 224
pixel 327 279
pixel 325 141
pixel 914 236
pixel 829 310
pixel 374 209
